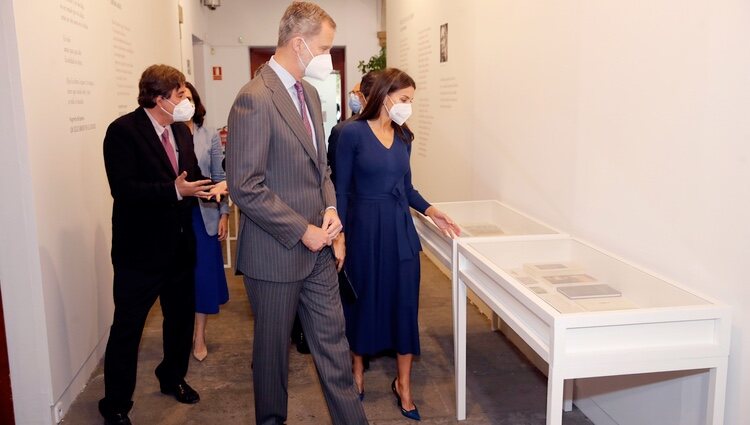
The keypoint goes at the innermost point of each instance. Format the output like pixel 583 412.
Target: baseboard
pixel 79 381
pixel 592 410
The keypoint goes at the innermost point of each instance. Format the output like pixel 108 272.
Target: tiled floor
pixel 503 387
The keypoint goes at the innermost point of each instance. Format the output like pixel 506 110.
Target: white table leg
pixel 236 213
pixel 236 220
pixel 717 386
pixel 568 395
pixel 460 350
pixel 555 390
pixel 495 322
pixel 228 258
pixel 454 296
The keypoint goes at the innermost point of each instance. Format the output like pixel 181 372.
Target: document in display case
pixel 580 292
pixel 621 320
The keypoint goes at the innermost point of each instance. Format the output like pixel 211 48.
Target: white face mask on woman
pixel 399 112
pixel 183 111
pixel 319 66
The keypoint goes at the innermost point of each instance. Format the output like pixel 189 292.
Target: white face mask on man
pixel 399 112
pixel 182 112
pixel 319 66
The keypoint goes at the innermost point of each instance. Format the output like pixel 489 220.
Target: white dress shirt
pixel 288 81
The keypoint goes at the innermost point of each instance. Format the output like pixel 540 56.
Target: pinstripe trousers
pixel 317 300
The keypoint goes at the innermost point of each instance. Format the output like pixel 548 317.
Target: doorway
pixel 199 65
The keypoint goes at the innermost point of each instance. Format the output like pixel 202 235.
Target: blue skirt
pixel 384 316
pixel 210 281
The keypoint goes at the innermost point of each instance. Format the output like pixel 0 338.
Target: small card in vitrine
pixel 522 277
pixel 569 278
pixel 599 290
pixel 540 270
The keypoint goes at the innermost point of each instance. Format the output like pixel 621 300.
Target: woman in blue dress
pixel 210 224
pixel 374 193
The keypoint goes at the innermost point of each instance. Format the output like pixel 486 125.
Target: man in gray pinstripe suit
pixel 277 174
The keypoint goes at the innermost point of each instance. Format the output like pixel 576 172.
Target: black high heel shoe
pixel 411 414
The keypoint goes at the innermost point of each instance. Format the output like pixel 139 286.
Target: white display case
pixel 639 323
pixel 476 219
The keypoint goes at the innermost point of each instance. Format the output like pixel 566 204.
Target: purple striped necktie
pixel 169 149
pixel 302 108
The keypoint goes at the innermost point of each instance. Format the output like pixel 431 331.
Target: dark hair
pixel 200 110
pixel 158 80
pixel 367 81
pixel 387 82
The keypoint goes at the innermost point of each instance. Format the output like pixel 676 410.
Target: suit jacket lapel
pixel 288 111
pixel 149 134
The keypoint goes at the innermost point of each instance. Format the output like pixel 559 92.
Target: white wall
pixel 195 22
pixel 71 69
pixel 20 274
pixel 625 124
pixel 442 150
pixel 239 24
pixel 219 94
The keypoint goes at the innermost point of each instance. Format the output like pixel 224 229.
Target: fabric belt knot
pixel 407 240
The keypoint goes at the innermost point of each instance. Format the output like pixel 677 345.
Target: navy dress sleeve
pixel 331 152
pixel 416 200
pixel 346 147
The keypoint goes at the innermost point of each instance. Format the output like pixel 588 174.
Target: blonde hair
pixel 304 19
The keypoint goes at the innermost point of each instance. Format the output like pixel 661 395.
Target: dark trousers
pixel 317 301
pixel 135 292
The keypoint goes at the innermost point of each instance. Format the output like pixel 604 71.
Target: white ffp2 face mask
pixel 182 112
pixel 399 112
pixel 354 103
pixel 319 66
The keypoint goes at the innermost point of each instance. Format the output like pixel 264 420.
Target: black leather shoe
pixel 117 419
pixel 183 392
pixel 115 415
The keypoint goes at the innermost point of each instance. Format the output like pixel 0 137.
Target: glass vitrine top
pixel 574 277
pixel 490 218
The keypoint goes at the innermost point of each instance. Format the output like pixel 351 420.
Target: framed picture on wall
pixel 444 43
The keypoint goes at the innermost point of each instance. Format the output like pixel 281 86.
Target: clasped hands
pixel 204 189
pixel 315 238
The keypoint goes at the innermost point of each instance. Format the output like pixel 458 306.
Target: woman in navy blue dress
pixel 374 193
pixel 210 225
